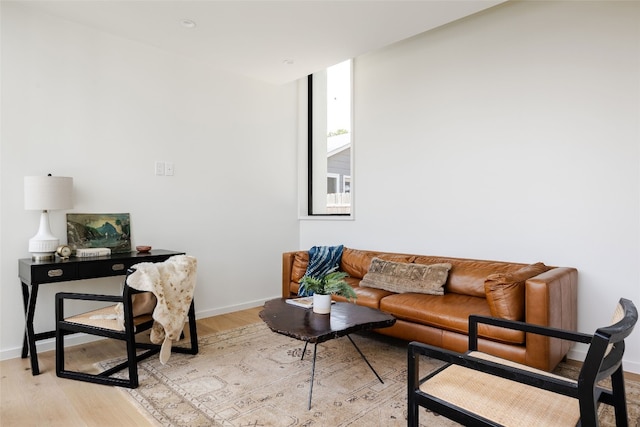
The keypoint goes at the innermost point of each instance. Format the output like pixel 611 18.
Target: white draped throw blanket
pixel 172 282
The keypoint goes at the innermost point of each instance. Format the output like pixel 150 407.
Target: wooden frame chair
pixel 478 389
pixel 97 322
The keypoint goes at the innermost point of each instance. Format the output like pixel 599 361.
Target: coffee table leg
pixel 364 358
pixel 304 350
pixel 313 371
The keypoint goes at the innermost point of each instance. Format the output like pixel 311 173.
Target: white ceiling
pixel 273 41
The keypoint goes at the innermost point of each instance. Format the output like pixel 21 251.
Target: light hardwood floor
pixel 46 400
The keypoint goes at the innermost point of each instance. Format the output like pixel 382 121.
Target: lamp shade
pixel 48 192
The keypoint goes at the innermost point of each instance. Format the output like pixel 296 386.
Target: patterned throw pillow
pixel 322 260
pixel 403 277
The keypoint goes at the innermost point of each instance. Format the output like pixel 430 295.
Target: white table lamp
pixel 45 193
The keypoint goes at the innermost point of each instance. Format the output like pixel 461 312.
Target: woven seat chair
pixel 102 322
pixel 477 389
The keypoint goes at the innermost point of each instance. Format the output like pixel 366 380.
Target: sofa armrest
pixel 551 299
pixel 287 266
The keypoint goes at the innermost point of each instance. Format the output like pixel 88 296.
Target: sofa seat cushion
pixel 448 312
pixel 368 297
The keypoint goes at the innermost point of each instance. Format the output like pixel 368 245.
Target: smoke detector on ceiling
pixel 188 23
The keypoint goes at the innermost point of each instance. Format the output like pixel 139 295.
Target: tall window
pixel 330 141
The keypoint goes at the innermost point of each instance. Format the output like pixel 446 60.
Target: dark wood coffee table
pixel 305 325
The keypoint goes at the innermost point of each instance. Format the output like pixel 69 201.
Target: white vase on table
pixel 321 304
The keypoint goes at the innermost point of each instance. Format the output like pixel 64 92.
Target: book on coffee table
pixel 304 302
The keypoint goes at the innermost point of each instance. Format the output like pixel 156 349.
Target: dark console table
pixel 35 273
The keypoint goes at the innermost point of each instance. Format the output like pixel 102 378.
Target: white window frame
pixel 306 170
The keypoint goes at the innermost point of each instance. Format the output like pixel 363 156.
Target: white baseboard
pixel 231 308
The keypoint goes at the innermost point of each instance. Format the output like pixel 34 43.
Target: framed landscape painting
pixel 99 230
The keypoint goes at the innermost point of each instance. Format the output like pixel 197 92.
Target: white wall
pixel 80 103
pixel 509 135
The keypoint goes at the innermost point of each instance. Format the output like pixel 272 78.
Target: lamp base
pixel 44 244
pixel 42 256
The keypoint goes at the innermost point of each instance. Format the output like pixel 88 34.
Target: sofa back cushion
pixel 300 262
pixel 356 262
pixel 505 291
pixel 467 276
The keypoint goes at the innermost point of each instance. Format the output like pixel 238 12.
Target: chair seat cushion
pixel 105 318
pixel 500 400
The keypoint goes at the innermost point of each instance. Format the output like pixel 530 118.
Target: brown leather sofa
pixel 548 298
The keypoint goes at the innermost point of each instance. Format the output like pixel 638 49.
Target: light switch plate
pixel 159 168
pixel 168 168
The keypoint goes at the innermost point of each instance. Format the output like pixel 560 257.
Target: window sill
pixel 327 217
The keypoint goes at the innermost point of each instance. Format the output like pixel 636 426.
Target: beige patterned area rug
pixel 251 376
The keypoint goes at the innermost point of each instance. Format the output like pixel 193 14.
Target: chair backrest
pixel 607 345
pixel 134 303
pixel 173 282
